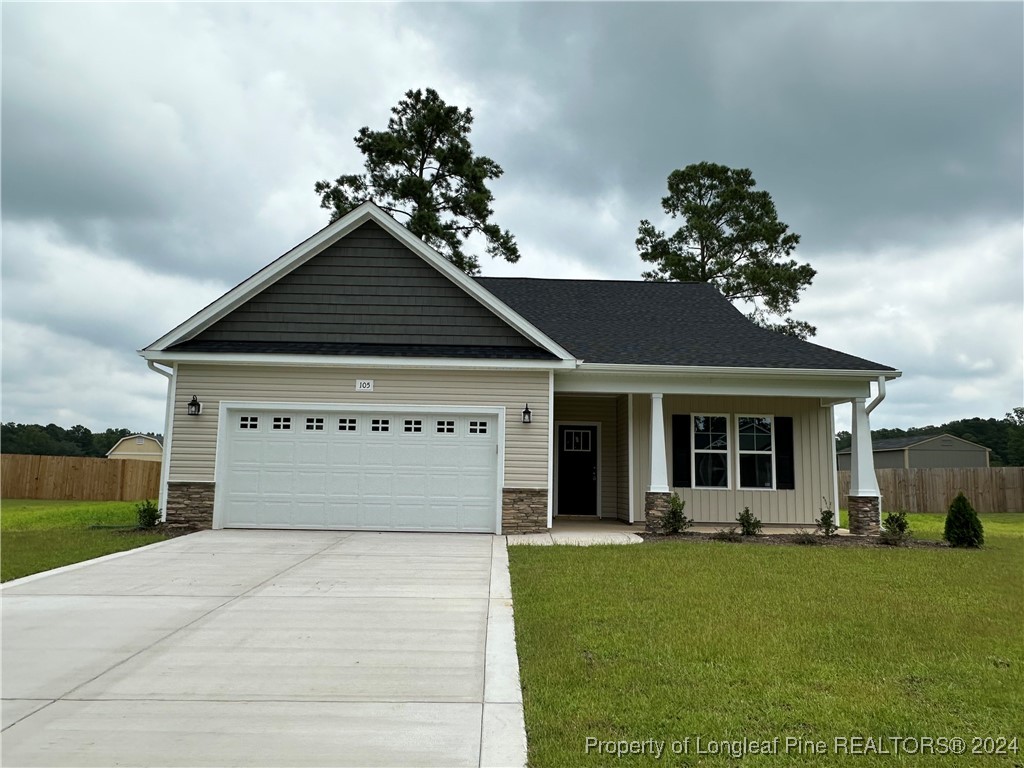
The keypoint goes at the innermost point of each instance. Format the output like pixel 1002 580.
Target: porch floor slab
pixel 581 532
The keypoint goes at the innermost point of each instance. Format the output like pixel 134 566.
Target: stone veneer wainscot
pixel 656 506
pixel 524 510
pixel 864 515
pixel 190 505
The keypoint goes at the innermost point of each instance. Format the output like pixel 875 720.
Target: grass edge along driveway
pixel 40 534
pixel 728 642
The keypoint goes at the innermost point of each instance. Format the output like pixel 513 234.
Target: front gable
pixel 363 286
pixel 365 289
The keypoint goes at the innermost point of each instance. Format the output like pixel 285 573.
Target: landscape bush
pixel 749 524
pixel 826 524
pixel 963 528
pixel 147 513
pixel 895 529
pixel 675 521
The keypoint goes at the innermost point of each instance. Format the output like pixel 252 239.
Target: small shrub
pixel 826 524
pixel 749 524
pixel 727 534
pixel 895 529
pixel 147 513
pixel 803 536
pixel 675 521
pixel 963 528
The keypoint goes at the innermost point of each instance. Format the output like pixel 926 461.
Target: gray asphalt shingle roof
pixel 651 323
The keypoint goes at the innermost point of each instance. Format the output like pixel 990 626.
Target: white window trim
pixel 694 451
pixel 740 452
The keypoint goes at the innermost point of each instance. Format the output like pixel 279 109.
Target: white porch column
pixel 659 466
pixel 862 461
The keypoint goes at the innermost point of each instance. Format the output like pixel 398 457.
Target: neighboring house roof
pixel 900 443
pixel 132 437
pixel 659 323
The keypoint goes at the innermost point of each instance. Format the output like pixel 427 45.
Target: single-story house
pixel 923 452
pixel 361 381
pixel 138 447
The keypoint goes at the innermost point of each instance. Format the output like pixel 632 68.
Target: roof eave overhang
pixel 327 237
pixel 351 361
pixel 829 385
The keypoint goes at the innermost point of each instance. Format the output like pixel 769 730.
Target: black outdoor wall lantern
pixel 527 414
pixel 194 406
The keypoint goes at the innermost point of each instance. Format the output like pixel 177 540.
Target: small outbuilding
pixel 138 447
pixel 923 452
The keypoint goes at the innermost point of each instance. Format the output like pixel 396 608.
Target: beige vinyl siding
pixel 813 467
pixel 622 457
pixel 194 442
pixel 572 409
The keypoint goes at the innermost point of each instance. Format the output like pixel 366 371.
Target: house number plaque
pixel 364 385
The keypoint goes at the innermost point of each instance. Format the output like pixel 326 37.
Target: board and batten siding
pixel 622 457
pixel 367 288
pixel 812 458
pixel 194 438
pixel 571 409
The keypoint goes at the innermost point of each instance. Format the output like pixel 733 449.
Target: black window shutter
pixel 680 451
pixel 785 459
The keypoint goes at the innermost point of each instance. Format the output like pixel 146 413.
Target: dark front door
pixel 577 470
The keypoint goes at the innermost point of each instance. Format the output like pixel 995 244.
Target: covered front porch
pixel 618 457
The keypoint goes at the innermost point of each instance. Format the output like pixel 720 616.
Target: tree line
pixel 1005 436
pixel 52 440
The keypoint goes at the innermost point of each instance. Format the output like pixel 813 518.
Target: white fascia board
pixel 354 361
pixel 330 235
pixel 728 381
pixel 704 370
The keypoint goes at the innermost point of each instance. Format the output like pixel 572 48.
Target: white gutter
pixel 699 370
pixel 878 398
pixel 165 461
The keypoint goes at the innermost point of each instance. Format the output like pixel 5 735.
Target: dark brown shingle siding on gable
pixel 367 288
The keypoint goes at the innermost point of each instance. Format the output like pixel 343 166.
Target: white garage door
pixel 356 470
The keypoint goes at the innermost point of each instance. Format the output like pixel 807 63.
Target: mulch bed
pixel 793 539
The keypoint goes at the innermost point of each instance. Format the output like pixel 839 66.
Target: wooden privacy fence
pixel 989 489
pixel 78 478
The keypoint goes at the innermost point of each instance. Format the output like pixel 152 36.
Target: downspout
pixel 165 461
pixel 878 398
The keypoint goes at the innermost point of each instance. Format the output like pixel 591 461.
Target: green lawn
pixel 724 642
pixel 36 535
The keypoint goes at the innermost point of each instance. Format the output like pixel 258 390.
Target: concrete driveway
pixel 267 648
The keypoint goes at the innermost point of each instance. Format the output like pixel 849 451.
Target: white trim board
pixel 352 361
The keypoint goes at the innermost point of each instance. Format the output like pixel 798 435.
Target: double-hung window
pixel 756 448
pixel 710 451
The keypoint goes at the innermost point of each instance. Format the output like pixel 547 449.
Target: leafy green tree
pixel 53 440
pixel 423 168
pixel 1015 439
pixel 731 237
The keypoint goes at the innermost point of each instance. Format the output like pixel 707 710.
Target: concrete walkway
pixel 581 532
pixel 267 648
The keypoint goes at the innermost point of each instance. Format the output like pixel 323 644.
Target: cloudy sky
pixel 155 155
